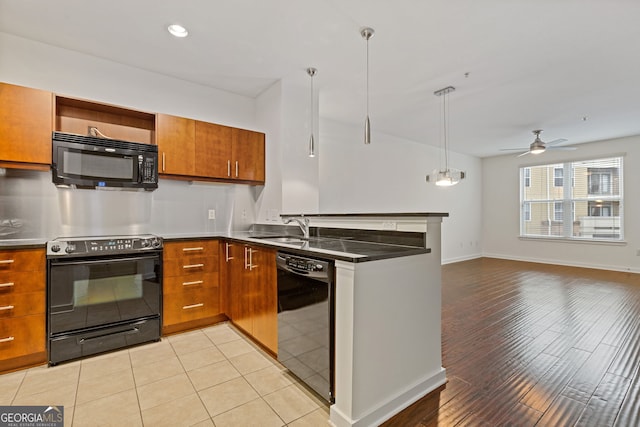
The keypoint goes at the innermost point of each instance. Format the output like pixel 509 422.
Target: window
pixel 599 180
pixel 574 200
pixel 557 211
pixel 558 174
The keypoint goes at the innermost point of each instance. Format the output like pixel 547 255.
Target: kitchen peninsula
pixel 387 320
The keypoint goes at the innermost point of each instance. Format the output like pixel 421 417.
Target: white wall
pixel 389 176
pixel 500 194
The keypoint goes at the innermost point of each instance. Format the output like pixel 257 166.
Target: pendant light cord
pixel 446 130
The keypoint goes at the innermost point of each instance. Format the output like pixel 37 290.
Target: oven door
pixel 85 293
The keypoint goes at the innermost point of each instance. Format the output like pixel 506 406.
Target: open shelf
pixel 76 116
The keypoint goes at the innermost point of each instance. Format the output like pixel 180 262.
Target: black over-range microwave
pixel 90 162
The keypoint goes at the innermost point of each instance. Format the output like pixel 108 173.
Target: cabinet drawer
pixel 22 260
pixel 22 281
pixel 190 282
pixel 190 248
pixel 186 306
pixel 21 304
pixel 190 266
pixel 21 336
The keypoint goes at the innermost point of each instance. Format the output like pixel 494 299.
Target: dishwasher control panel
pixel 313 268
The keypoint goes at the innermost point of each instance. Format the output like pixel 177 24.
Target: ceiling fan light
pixel 537 148
pixel 178 30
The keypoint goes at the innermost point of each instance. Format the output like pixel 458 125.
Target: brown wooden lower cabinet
pixel 191 285
pixel 22 308
pixel 252 291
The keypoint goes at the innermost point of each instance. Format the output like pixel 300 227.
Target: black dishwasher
pixel 306 288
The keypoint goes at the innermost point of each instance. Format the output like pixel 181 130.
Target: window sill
pixel 568 240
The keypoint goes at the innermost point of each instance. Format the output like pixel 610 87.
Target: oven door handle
pixel 103 260
pixel 133 330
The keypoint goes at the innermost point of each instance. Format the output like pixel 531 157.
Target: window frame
pixel 574 201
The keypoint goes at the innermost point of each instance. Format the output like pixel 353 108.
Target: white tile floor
pixel 206 377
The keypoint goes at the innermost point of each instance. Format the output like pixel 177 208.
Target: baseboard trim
pixel 394 405
pixel 565 264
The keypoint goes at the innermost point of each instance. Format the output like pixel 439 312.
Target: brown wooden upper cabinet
pixel 213 145
pixel 175 137
pixel 191 148
pixel 247 155
pixel 26 117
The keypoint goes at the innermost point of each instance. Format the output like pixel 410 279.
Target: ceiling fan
pixel 538 146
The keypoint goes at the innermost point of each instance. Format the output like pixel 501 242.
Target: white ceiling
pixel 532 64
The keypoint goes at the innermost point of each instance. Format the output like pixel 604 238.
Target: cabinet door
pixel 213 150
pixel 264 299
pixel 25 124
pixel 175 137
pixel 248 156
pixel 240 288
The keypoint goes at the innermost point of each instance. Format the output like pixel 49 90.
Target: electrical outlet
pixel 244 214
pixel 389 225
pixel 212 214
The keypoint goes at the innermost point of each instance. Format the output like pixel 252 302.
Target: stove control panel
pixel 103 245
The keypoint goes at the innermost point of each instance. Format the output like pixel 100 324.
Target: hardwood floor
pixel 529 344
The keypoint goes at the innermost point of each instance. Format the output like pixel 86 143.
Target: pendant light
pixel 445 177
pixel 312 146
pixel 366 34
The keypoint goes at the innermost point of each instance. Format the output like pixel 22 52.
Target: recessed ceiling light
pixel 178 30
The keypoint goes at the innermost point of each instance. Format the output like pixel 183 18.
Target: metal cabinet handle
pixel 195 282
pixel 7 307
pixel 7 339
pixel 6 261
pixel 229 168
pixel 200 248
pixel 226 256
pixel 249 264
pixel 6 285
pixel 237 168
pixel 193 266
pixel 163 161
pixel 187 307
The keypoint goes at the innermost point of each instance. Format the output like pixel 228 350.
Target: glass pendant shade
pixel 366 34
pixel 445 178
pixel 312 145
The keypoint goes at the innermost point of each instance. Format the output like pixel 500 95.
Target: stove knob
pixel 318 267
pixel 145 243
pixel 70 248
pixel 156 243
pixel 55 248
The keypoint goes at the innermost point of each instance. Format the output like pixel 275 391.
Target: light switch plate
pixel 212 214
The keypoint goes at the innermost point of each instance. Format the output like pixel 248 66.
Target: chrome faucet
pixel 302 222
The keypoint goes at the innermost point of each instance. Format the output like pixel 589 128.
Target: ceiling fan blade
pixel 562 148
pixel 555 141
pixel 523 154
pixel 514 149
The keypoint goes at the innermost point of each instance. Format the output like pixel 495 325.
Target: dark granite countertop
pixel 23 243
pixel 348 249
pixel 344 249
pixel 372 214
